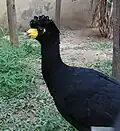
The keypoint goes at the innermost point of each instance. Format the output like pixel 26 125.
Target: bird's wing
pixel 101 102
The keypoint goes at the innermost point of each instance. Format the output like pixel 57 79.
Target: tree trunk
pixel 116 39
pixel 11 11
pixel 58 12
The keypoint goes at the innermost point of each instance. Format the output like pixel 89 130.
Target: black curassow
pixel 83 96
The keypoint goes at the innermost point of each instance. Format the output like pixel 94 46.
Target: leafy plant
pixel 16 74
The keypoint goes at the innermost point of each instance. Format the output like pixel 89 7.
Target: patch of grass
pixel 25 104
pixel 31 111
pixel 99 46
pixel 3 31
pixel 104 66
pixel 94 46
pixel 16 74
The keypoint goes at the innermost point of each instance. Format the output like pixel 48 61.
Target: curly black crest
pixel 44 22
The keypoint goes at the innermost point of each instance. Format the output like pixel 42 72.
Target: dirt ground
pixel 81 47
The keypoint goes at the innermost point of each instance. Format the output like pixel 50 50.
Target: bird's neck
pixel 51 55
pixel 51 60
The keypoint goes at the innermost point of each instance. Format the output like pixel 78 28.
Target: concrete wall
pixel 74 14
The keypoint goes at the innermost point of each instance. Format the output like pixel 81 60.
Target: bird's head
pixel 43 29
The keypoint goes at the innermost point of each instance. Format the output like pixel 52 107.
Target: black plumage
pixel 83 96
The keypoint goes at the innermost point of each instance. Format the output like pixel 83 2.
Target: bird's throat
pixel 51 59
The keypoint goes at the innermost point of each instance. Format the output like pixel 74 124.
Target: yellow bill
pixel 32 33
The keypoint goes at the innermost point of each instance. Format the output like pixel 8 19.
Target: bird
pixel 85 97
pixel 117 123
